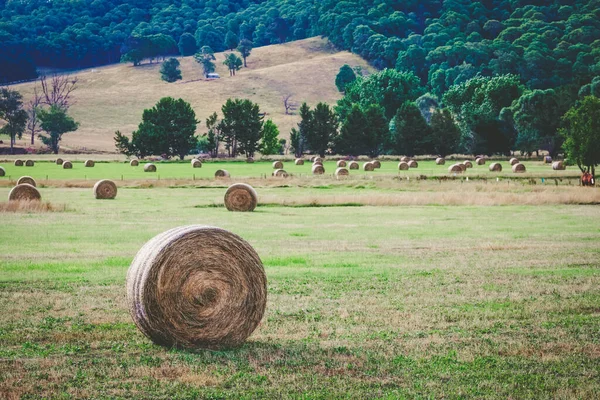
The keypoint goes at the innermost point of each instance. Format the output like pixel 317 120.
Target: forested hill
pixel 546 43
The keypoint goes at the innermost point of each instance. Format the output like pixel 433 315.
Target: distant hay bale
pixel 440 161
pixel 149 167
pixel 318 160
pixel 277 165
pixel 413 164
pixel 558 166
pixel 134 163
pixel 462 166
pixel 59 161
pixel 67 165
pixel 299 161
pixel 241 197
pixel 89 163
pixel 197 287
pixel 18 163
pixel 2 172
pixel 196 163
pixel 221 173
pixel 376 163
pixel 513 161
pixel 280 173
pixel 368 166
pixel 518 168
pixel 250 160
pixel 353 165
pixel 312 159
pixel 467 164
pixel 405 159
pixel 24 192
pixel 29 163
pixel 317 169
pixel 455 169
pixel 547 160
pixel 341 172
pixel 105 189
pixel 496 167
pixel 480 161
pixel 403 166
pixel 27 179
pixel 340 164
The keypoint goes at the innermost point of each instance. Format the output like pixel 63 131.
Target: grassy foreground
pixel 364 302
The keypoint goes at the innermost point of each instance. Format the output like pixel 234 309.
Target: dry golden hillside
pixel 113 98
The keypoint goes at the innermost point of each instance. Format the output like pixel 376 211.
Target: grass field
pixel 438 301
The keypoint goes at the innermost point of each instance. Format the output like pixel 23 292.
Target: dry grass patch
pixel 31 207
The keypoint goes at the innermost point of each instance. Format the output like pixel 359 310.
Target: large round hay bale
pixel 455 169
pixel 105 189
pixel 280 173
pixel 27 179
pixel 241 197
pixel 89 163
pixel 59 161
pixel 340 164
pixel 368 166
pixel 519 168
pixel 250 160
pixel 196 163
pixel 341 172
pixel 149 167
pixel 353 165
pixel 496 167
pixel 134 163
pixel 277 165
pixel 24 192
pixel 558 166
pixel 462 166
pixel 2 172
pixel 317 169
pixel 467 164
pixel 547 160
pixel 18 163
pixel 29 163
pixel 67 165
pixel 197 287
pixel 221 173
pixel 513 161
pixel 403 166
pixel 480 161
pixel 405 159
pixel 299 161
pixel 318 160
pixel 376 163
pixel 413 164
pixel 440 161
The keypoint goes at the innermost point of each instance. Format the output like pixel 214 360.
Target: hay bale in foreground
pixel 440 161
pixel 277 165
pixel 149 167
pixel 105 189
pixel 495 167
pixel 27 179
pixel 197 287
pixel 29 163
pixel 24 192
pixel 455 169
pixel 405 159
pixel 413 164
pixel 462 166
pixel 341 172
pixel 403 166
pixel 376 163
pixel 280 173
pixel 134 163
pixel 241 197
pixel 467 164
pixel 67 165
pixel 317 169
pixel 547 160
pixel 558 166
pixel 353 165
pixel 18 163
pixel 519 168
pixel 2 172
pixel 196 163
pixel 89 163
pixel 368 166
pixel 340 164
pixel 59 161
pixel 299 161
pixel 221 173
pixel 513 161
pixel 480 161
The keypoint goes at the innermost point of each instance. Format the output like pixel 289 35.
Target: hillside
pixel 113 97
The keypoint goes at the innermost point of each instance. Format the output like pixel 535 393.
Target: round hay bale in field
pixel 462 166
pixel 105 189
pixel 149 167
pixel 403 166
pixel 221 173
pixel 277 165
pixel 312 159
pixel 241 197
pixel 440 161
pixel 24 192
pixel 29 163
pixel 280 173
pixel 376 163
pixel 413 164
pixel 59 161
pixel 368 166
pixel 197 287
pixel 496 167
pixel 480 161
pixel 299 161
pixel 27 179
pixel 519 168
pixel 18 163
pixel 558 166
pixel 2 172
pixel 250 160
pixel 467 164
pixel 341 172
pixel 353 165
pixel 196 163
pixel 547 160
pixel 318 160
pixel 134 163
pixel 89 163
pixel 67 165
pixel 455 169
pixel 513 161
pixel 340 164
pixel 317 169
pixel 405 159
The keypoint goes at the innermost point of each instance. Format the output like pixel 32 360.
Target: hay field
pixel 371 301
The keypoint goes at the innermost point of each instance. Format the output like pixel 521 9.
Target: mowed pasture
pixel 371 301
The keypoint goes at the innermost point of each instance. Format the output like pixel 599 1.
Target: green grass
pixel 364 302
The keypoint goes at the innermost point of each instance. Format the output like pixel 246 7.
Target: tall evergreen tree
pixel 323 129
pixel 445 134
pixel 411 134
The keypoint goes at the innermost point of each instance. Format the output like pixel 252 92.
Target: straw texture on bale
pixel 548 160
pixel 413 164
pixel 496 167
pixel 368 166
pixel 513 161
pixel 89 163
pixel 318 163
pixel 455 169
pixel 462 166
pixel 250 160
pixel 376 163
pixel 299 161
pixel 149 167
pixel 405 159
pixel 440 161
pixel 468 164
pixel 312 159
pixel 29 163
pixel 2 172
pixel 318 160
pixel 403 166
pixel 241 197
pixel 280 173
pixel 67 165
pixel 277 165
pixel 59 161
pixel 105 189
pixel 353 165
pixel 221 173
pixel 480 161
pixel 18 163
pixel 340 164
pixel 518 167
pixel 317 169
pixel 558 166
pixel 341 172
pixel 134 163
pixel 27 179
pixel 196 163
pixel 197 287
pixel 24 192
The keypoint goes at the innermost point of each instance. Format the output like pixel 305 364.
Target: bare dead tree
pixel 58 91
pixel 290 106
pixel 33 124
